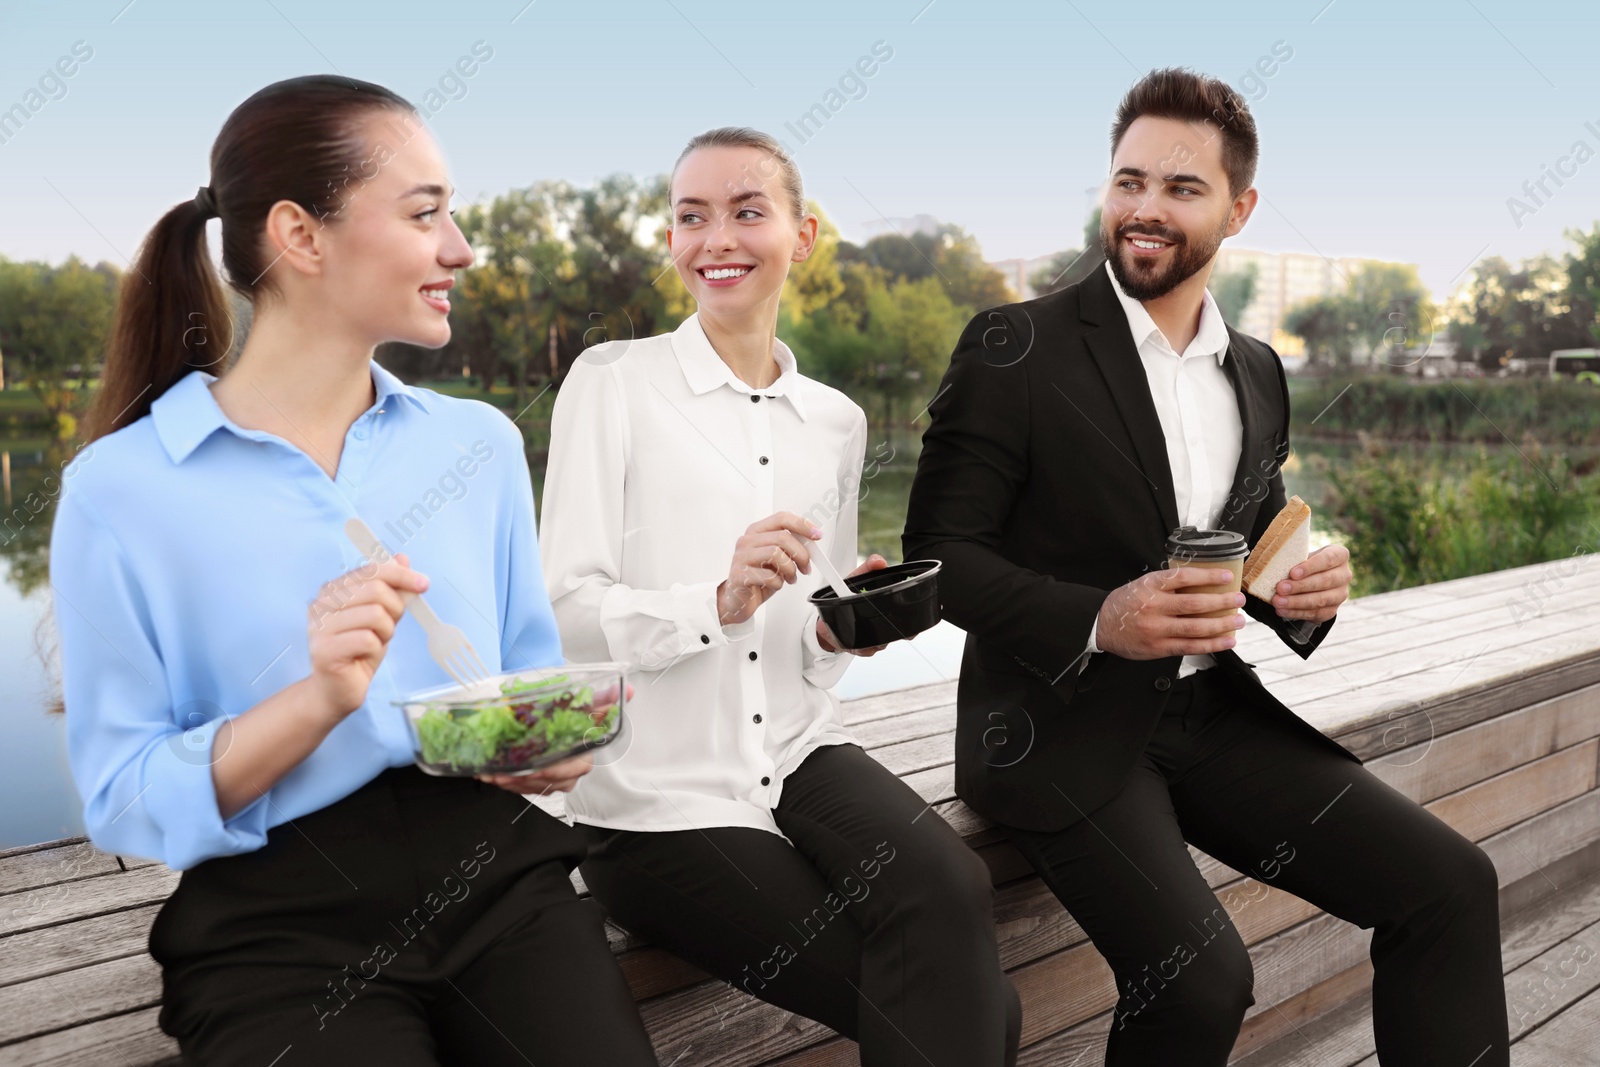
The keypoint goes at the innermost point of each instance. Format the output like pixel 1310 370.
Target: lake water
pixel 37 798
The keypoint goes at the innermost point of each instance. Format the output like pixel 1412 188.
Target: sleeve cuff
pixel 821 668
pixel 815 653
pixel 703 625
pixel 1092 648
pixel 182 798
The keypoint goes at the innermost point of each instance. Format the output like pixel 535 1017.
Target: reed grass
pixel 1410 520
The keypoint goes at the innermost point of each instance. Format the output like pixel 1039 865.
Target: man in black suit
pixel 1100 722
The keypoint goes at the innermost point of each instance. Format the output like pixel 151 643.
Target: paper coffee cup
pixel 1188 546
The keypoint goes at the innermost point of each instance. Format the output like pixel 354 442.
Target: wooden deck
pixel 1479 698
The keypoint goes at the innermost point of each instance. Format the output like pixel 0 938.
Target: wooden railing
pixel 1479 698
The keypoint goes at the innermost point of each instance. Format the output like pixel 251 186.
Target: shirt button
pixel 1163 684
pixel 756 717
pixel 755 398
pixel 763 461
pixel 705 639
pixel 765 780
pixel 752 657
pixel 361 434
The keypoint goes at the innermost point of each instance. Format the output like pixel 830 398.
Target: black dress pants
pixel 418 921
pixel 1230 775
pixel 876 920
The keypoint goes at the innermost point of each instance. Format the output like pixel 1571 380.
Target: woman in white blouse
pixel 737 823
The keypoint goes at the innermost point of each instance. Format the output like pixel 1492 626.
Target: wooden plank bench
pixel 1479 698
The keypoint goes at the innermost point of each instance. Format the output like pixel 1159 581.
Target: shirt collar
pixel 186 414
pixel 704 370
pixel 385 384
pixel 1212 337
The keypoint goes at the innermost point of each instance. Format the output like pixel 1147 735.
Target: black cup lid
pixel 1188 542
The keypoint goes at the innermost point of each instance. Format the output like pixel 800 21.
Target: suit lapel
pixel 1110 341
pixel 1237 514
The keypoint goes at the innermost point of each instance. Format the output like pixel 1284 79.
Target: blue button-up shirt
pixel 185 553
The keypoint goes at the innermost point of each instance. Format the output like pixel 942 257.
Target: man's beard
pixel 1145 284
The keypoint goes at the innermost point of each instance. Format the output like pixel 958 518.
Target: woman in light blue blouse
pixel 229 659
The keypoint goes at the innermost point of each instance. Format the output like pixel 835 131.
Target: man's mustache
pixel 1131 229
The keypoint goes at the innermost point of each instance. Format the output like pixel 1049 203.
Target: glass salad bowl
pixel 518 722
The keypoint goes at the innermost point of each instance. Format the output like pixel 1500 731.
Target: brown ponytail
pixel 299 140
pixel 171 315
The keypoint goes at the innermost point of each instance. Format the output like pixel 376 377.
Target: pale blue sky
pixel 1397 129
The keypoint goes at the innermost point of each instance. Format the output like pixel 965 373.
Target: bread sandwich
pixel 1286 544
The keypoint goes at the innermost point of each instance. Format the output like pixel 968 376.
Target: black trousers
pixel 418 921
pixel 1230 776
pixel 876 921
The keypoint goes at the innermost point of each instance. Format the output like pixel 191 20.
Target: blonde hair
pixel 745 137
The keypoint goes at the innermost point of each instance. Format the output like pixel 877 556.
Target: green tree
pixel 560 268
pixel 949 254
pixel 861 279
pixel 53 327
pixel 615 262
pixel 817 282
pixel 912 326
pixel 1091 229
pixel 1383 313
pixel 1392 314
pixel 1583 281
pixel 1233 290
pixel 1072 265
pixel 1504 312
pixel 828 347
pixel 1323 322
pixel 509 293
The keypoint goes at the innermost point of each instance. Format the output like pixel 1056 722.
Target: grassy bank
pixel 1491 411
pixel 21 412
pixel 1379 405
pixel 1410 520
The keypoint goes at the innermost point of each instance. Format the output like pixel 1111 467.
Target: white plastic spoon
pixel 831 572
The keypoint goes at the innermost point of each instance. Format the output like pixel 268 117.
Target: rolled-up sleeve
pixel 144 777
pixel 600 618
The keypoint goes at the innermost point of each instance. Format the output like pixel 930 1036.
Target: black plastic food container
pixel 889 604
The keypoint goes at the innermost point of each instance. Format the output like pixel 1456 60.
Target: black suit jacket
pixel 1042 485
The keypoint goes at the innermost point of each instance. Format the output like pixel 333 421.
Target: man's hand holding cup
pixel 1171 613
pixel 1189 609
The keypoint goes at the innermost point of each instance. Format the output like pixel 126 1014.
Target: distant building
pixel 904 227
pixel 1284 279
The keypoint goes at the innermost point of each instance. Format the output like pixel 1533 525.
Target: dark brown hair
pixel 299 140
pixel 1176 93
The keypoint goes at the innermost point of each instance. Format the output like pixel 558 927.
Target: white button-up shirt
pixel 1199 417
pixel 660 458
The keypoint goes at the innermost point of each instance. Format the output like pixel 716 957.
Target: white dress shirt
pixel 660 458
pixel 1199 418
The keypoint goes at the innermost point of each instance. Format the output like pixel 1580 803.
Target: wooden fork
pixel 448 645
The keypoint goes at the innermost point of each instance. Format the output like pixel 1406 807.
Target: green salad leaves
pixel 546 718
